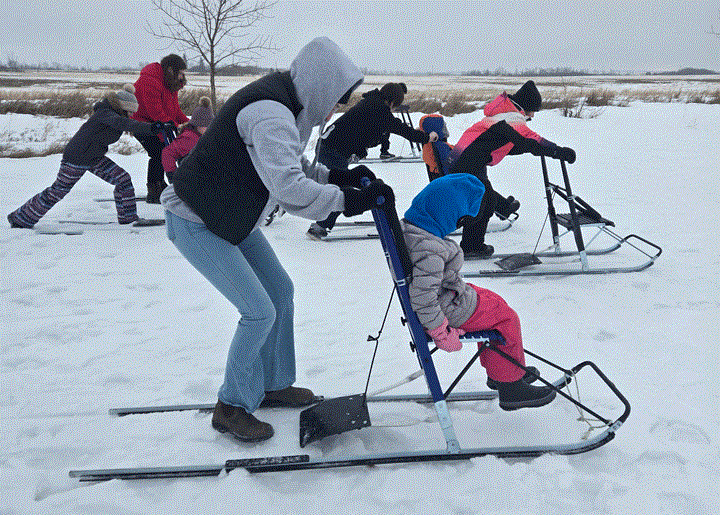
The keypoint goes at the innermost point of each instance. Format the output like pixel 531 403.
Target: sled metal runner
pixel 207 407
pixel 581 216
pixel 400 267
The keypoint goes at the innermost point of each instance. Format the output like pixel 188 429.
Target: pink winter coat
pixel 179 148
pixel 502 108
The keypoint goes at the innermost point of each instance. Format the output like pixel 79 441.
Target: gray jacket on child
pixel 437 289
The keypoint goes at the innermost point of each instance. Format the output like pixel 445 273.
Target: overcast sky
pixel 412 36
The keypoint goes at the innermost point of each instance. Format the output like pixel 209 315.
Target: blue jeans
pixel 249 275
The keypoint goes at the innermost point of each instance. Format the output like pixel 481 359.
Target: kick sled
pixel 581 220
pixel 339 415
pixel 335 416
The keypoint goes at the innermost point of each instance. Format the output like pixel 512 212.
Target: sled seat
pixel 565 219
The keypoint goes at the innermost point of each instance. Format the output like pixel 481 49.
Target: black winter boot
pixel 481 251
pixel 530 377
pixel 154 189
pixel 290 397
pixel 519 394
pixel 239 423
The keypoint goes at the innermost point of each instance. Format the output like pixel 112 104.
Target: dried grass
pixel 570 98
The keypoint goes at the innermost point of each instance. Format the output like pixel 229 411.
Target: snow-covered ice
pixel 116 317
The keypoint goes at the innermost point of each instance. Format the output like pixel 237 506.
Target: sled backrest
pixel 398 259
pixel 436 154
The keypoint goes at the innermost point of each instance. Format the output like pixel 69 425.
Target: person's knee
pixel 263 314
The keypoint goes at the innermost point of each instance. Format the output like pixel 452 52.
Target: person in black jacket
pixel 361 127
pixel 85 152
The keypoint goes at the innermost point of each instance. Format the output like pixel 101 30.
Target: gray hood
pixel 322 74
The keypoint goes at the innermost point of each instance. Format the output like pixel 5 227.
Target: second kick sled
pixel 338 415
pixel 581 217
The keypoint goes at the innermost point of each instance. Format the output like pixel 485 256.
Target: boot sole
pixel 531 403
pixel 222 429
pixel 269 403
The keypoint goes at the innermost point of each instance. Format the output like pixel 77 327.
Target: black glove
pixel 358 173
pixel 157 127
pixel 563 153
pixel 358 201
pixel 170 128
pixel 351 178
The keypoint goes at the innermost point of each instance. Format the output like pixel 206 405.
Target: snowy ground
pixel 115 317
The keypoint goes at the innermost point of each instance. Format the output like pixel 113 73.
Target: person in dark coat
pixel 85 152
pixel 363 126
pixel 502 131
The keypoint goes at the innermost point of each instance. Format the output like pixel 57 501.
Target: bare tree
pixel 215 30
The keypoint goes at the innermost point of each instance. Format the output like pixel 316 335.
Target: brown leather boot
pixel 239 423
pixel 290 397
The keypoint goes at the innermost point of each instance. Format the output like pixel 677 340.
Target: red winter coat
pixel 156 103
pixel 179 148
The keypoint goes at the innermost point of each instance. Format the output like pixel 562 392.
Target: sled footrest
pixel 518 261
pixel 332 417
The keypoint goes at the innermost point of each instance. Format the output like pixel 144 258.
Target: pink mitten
pixel 447 338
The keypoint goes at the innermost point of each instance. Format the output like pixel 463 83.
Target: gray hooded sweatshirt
pixel 251 156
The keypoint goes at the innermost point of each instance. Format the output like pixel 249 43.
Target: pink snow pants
pixel 492 312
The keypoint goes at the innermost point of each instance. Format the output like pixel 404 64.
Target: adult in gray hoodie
pixel 249 160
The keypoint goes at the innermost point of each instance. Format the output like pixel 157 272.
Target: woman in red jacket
pixel 157 94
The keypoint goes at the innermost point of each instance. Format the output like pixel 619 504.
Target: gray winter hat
pixel 203 114
pixel 124 99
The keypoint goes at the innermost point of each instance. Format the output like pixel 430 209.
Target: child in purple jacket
pixel 85 152
pixel 189 135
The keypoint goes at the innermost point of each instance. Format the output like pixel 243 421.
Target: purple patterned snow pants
pixel 34 209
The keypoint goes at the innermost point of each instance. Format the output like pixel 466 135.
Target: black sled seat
pixel 318 421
